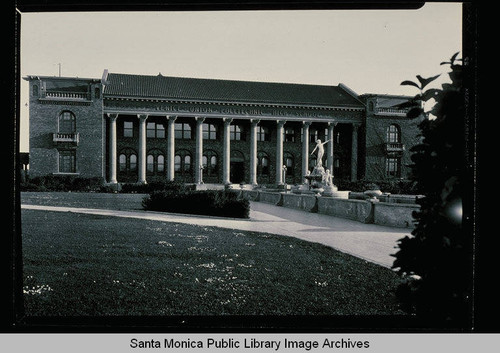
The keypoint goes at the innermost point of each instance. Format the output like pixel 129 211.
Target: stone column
pixel 279 152
pixel 142 149
pixel 330 144
pixel 354 153
pixel 112 148
pixel 198 173
pixel 226 156
pixel 305 149
pixel 253 151
pixel 171 148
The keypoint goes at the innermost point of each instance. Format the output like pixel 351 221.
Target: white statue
pixel 328 178
pixel 321 152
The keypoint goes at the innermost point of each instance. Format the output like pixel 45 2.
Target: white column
pixel 354 153
pixel 198 173
pixel 279 152
pixel 112 148
pixel 142 149
pixel 305 148
pixel 226 157
pixel 253 151
pixel 171 148
pixel 330 137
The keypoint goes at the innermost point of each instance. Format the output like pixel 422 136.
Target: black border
pixel 11 259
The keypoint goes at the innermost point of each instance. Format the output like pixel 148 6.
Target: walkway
pixel 367 241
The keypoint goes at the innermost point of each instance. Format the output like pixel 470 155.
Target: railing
pixel 390 111
pixel 67 95
pixel 394 147
pixel 72 137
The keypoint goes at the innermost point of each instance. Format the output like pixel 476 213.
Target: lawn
pixel 87 265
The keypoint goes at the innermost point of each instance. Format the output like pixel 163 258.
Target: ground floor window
pixel 155 162
pixel 262 164
pixel 209 162
pixel 182 162
pixel 67 161
pixel 127 161
pixel 289 163
pixel 393 167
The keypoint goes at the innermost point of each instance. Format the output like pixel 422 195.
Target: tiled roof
pixel 214 90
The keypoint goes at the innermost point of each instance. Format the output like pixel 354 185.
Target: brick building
pixel 138 128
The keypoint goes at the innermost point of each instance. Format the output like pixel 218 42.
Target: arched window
pixel 155 162
pixel 262 164
pixel 393 134
pixel 371 106
pixel 209 131
pixel 262 133
pixel 67 122
pixel 35 90
pixel 127 161
pixel 182 162
pixel 288 161
pixel 209 161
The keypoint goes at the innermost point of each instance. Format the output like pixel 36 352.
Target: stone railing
pixel 67 95
pixel 394 147
pixel 390 111
pixel 71 137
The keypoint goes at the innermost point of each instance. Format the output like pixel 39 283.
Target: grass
pixel 87 265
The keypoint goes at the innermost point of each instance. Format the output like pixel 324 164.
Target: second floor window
pixel 67 122
pixel 236 133
pixel 155 130
pixel 182 131
pixel 289 134
pixel 262 133
pixel 128 129
pixel 209 132
pixel 393 135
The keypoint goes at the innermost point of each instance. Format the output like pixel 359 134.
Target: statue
pixel 321 152
pixel 328 179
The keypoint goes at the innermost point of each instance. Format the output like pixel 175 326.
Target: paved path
pixel 368 241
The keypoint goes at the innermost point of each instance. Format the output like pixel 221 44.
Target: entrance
pixel 237 167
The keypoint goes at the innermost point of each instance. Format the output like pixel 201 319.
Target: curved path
pixel 367 241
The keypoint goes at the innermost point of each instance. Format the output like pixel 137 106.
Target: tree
pixel 436 261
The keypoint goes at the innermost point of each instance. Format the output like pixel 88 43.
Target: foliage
pixel 153 186
pixel 436 259
pixel 221 203
pixel 399 186
pixel 62 183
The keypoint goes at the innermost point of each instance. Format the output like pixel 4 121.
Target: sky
pixel 370 51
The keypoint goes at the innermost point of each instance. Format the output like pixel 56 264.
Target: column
pixel 305 148
pixel 330 144
pixel 171 148
pixel 198 173
pixel 354 153
pixel 279 152
pixel 112 148
pixel 142 149
pixel 253 151
pixel 226 157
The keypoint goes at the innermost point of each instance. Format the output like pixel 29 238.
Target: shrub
pixel 153 186
pixel 62 183
pixel 436 260
pixel 207 202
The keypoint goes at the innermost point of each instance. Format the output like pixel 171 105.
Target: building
pixel 136 128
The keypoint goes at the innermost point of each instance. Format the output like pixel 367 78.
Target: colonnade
pixel 198 172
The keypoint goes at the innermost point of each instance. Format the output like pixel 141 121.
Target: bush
pixel 401 187
pixel 62 183
pixel 154 186
pixel 207 202
pixel 436 260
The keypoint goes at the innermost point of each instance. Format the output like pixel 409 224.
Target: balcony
pixel 67 96
pixel 390 111
pixel 394 147
pixel 66 137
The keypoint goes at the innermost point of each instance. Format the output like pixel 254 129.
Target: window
pixel 67 161
pixel 35 90
pixel 127 161
pixel 67 122
pixel 97 93
pixel 155 162
pixel 371 106
pixel 393 135
pixel 155 130
pixel 393 167
pixel 262 164
pixel 182 162
pixel 313 135
pixel 262 133
pixel 209 132
pixel 182 131
pixel 290 134
pixel 288 162
pixel 209 162
pixel 236 133
pixel 128 129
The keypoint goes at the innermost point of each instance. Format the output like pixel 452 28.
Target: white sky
pixel 370 51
